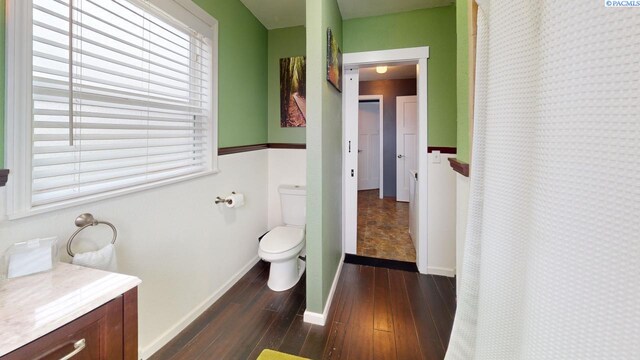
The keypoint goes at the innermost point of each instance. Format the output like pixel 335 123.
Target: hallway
pixel 383 228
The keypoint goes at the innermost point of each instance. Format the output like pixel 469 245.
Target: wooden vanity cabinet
pixel 109 332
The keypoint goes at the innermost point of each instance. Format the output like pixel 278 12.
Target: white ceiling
pixel 275 14
pixel 362 8
pixel 393 72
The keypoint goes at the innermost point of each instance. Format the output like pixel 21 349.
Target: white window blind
pixel 121 98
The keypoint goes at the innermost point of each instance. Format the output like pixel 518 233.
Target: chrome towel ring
pixel 85 220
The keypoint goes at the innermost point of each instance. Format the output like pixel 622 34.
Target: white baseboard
pixel 314 318
pixel 163 339
pixel 434 270
pixel 321 319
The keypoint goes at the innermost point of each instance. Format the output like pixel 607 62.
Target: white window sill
pixel 108 195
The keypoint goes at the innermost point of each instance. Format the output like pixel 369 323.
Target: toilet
pixel 283 245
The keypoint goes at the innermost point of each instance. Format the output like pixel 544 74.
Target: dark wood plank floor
pixel 377 313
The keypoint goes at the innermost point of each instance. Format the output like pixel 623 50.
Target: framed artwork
pixel 293 92
pixel 334 62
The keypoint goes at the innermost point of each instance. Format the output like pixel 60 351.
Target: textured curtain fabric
pixel 552 255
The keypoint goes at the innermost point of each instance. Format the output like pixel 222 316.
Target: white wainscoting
pixel 186 249
pixel 462 208
pixel 286 166
pixel 441 229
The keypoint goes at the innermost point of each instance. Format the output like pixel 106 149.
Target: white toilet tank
pixel 293 200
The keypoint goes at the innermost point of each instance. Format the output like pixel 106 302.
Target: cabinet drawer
pixel 98 334
pixel 87 338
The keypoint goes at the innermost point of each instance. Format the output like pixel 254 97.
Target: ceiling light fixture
pixel 381 69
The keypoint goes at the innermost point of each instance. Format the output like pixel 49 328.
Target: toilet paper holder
pixel 220 200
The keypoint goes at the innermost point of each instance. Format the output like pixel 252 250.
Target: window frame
pixel 19 96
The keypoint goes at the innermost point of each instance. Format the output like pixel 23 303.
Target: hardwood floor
pixel 377 313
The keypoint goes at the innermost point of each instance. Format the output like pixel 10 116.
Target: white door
pixel 406 144
pixel 368 145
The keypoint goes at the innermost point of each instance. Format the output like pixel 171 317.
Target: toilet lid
pixel 281 239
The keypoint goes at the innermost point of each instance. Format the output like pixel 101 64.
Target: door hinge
pixel 349 146
pixel 351 172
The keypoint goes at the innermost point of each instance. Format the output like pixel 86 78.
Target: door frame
pixel 379 98
pixel 351 64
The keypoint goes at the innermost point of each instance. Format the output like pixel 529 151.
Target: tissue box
pixel 30 257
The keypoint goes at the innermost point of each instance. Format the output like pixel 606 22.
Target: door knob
pixel 400 156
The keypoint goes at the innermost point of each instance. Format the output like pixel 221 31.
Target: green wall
pixel 429 27
pixel 242 69
pixel 286 42
pixel 324 156
pixel 462 65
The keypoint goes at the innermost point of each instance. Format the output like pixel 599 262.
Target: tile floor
pixel 383 228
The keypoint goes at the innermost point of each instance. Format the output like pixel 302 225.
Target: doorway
pixel 355 218
pixel 383 212
pixel 370 143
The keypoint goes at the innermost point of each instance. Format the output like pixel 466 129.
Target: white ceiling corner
pixel 362 8
pixel 275 14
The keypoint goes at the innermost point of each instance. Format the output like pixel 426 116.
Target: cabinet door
pixel 96 335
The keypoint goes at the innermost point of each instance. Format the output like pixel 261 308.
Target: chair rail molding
pixel 4 176
pixel 459 166
pixel 245 148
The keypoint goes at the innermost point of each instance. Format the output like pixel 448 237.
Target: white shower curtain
pixel 552 255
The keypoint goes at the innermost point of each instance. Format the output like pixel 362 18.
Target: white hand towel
pixel 103 259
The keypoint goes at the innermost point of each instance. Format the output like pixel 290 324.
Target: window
pixel 118 96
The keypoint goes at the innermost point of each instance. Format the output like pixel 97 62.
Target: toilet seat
pixel 282 239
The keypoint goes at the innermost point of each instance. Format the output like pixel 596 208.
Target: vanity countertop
pixel 33 306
